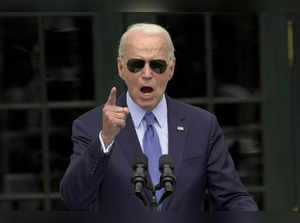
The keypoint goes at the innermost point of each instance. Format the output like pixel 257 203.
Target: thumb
pixel 112 97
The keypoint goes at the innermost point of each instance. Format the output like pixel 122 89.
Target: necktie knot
pixel 149 118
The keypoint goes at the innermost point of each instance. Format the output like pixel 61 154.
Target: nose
pixel 147 72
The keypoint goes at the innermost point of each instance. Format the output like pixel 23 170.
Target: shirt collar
pixel 137 113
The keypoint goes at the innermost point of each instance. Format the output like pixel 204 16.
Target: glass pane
pixel 236 55
pixel 20 79
pixel 259 198
pixel 239 115
pixel 21 205
pixel 69 58
pixel 58 205
pixel 21 151
pixel 187 33
pixel 242 128
pixel 247 154
pixel 60 142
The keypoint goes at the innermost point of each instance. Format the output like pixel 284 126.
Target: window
pixel 46 78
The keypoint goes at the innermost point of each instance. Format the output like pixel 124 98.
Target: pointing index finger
pixel 112 97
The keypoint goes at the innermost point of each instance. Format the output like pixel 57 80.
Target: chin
pixel 146 106
pixel 149 105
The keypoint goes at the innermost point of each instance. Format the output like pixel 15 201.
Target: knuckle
pixel 106 114
pixel 110 119
pixel 105 108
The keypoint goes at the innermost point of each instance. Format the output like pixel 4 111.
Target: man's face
pixel 146 87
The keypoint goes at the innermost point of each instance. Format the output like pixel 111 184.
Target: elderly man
pixel 107 139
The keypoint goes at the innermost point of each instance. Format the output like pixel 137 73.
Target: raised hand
pixel 113 118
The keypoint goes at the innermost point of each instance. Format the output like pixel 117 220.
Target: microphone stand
pixel 153 203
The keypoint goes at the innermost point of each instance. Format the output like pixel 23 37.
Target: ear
pixel 171 68
pixel 121 68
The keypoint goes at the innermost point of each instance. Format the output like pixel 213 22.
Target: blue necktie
pixel 153 150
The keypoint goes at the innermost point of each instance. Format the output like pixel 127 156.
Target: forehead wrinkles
pixel 146 51
pixel 146 45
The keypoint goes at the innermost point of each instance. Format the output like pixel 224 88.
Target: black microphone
pixel 167 178
pixel 139 178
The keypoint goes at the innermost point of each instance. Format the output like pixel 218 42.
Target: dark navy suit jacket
pixel 101 182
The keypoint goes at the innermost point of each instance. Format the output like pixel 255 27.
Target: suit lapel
pixel 127 138
pixel 177 133
pixel 177 129
pixel 128 141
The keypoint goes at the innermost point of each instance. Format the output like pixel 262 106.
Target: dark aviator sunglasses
pixel 136 65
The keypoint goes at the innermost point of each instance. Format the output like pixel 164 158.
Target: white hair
pixel 147 28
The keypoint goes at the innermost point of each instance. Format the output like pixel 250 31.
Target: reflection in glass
pixel 236 55
pixel 60 142
pixel 247 154
pixel 20 79
pixel 21 152
pixel 187 33
pixel 242 128
pixel 69 56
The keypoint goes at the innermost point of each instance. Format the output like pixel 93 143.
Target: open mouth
pixel 146 90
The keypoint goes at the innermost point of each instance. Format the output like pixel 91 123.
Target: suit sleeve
pixel 225 187
pixel 81 183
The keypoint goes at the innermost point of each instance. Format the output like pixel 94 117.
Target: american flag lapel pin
pixel 180 128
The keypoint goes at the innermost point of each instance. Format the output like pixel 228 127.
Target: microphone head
pixel 165 160
pixel 140 158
